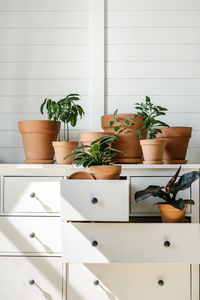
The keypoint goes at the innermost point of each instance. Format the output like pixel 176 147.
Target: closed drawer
pixel 95 200
pixel 128 281
pixel 131 243
pixel 16 273
pixel 146 206
pixel 32 194
pixel 30 235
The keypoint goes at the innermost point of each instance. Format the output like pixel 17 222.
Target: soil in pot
pixel 177 139
pixel 62 149
pixel 153 151
pixel 37 136
pixel 128 143
pixel 105 172
pixel 86 138
pixel 170 214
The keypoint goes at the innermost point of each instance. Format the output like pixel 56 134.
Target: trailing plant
pixel 169 194
pixel 125 126
pixel 99 152
pixel 65 110
pixel 149 113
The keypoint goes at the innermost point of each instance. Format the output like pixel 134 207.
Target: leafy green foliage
pixel 65 110
pixel 99 152
pixel 171 190
pixel 149 113
pixel 125 126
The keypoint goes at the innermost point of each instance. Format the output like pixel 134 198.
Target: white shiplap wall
pixel 153 48
pixel 45 51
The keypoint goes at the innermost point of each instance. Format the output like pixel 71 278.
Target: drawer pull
pixel 167 244
pixel 94 243
pixel 94 200
pixel 32 282
pixel 160 282
pixel 96 282
pixel 32 195
pixel 32 234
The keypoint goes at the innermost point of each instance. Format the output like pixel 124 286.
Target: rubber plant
pixel 169 195
pixel 66 110
pixel 152 148
pixel 98 158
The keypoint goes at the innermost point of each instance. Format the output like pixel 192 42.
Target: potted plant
pixel 86 138
pixel 125 126
pixel 98 158
pixel 152 148
pixel 67 111
pixel 172 209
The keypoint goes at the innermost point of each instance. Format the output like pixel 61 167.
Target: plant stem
pixel 64 131
pixel 67 132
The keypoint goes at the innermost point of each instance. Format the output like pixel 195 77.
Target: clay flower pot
pixel 62 149
pixel 86 138
pixel 128 143
pixel 153 151
pixel 170 214
pixel 105 172
pixel 37 136
pixel 177 139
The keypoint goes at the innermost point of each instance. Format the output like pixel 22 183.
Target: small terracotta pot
pixel 86 138
pixel 81 175
pixel 105 172
pixel 62 149
pixel 128 143
pixel 38 136
pixel 170 214
pixel 153 151
pixel 177 139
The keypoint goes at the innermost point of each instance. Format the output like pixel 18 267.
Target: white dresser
pixel 112 248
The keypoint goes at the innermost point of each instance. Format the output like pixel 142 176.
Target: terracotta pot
pixel 153 151
pixel 88 137
pixel 105 172
pixel 170 214
pixel 129 143
pixel 62 149
pixel 38 136
pixel 177 139
pixel 80 175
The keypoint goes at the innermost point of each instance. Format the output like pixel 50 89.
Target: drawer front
pixel 131 243
pixel 30 234
pixel 146 206
pixel 111 196
pixel 17 272
pixel 32 194
pixel 128 281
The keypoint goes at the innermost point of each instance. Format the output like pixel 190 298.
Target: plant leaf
pixel 185 181
pixel 151 190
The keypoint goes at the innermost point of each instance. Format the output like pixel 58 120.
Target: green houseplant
pixel 152 148
pixel 66 111
pixel 172 208
pixel 98 158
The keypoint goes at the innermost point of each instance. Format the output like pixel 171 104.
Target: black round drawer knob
pixel 32 282
pixel 167 244
pixel 96 282
pixel 94 243
pixel 160 282
pixel 94 200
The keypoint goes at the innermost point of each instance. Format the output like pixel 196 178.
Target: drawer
pixel 146 206
pixel 128 281
pixel 112 200
pixel 30 235
pixel 16 273
pixel 32 194
pixel 131 243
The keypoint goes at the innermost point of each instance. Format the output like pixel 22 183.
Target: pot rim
pixel 152 141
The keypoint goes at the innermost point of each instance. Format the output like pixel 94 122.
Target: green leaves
pixel 185 181
pixel 151 190
pixel 125 126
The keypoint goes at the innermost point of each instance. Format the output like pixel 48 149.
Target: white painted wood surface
pixel 128 281
pixel 112 200
pixel 127 243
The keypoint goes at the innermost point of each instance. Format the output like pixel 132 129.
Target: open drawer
pixel 95 200
pixel 131 243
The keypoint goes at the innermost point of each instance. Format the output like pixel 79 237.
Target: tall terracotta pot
pixel 177 139
pixel 37 136
pixel 170 214
pixel 86 138
pixel 129 143
pixel 63 149
pixel 153 151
